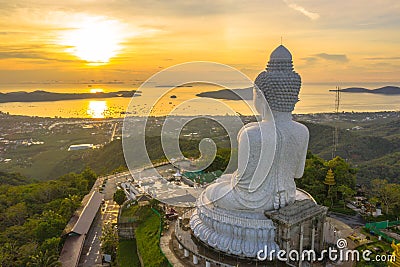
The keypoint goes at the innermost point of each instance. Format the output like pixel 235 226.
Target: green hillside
pixel 386 167
pixel 355 146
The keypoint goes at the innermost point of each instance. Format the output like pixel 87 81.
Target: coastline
pixel 296 116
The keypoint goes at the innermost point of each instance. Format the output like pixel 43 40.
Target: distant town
pixel 20 132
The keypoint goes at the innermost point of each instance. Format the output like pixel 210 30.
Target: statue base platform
pixel 242 234
pixel 237 233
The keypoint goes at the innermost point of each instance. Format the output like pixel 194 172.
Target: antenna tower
pixel 336 130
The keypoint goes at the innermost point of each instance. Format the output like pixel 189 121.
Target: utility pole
pixel 336 130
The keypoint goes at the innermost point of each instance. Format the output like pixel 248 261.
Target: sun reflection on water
pixel 96 90
pixel 97 109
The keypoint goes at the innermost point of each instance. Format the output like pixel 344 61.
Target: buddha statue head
pixel 279 83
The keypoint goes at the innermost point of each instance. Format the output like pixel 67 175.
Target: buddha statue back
pixel 271 154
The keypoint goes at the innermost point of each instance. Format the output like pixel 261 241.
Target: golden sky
pixel 128 40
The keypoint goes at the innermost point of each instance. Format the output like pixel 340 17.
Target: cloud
pixel 382 58
pixel 332 57
pixel 310 60
pixel 12 33
pixel 302 10
pixel 30 55
pixel 324 56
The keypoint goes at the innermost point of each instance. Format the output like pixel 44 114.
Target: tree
pixel 109 240
pixel 120 169
pixel 25 252
pixel 68 206
pixel 344 173
pixel 50 225
pixel 44 259
pixel 90 176
pixel 313 177
pixel 119 196
pixel 52 245
pixel 218 163
pixel 16 214
pixel 389 194
pixel 346 193
pixel 33 216
pixel 8 252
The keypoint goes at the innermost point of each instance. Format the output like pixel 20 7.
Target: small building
pixel 80 147
pixel 299 226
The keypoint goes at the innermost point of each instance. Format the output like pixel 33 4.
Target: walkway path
pixel 166 249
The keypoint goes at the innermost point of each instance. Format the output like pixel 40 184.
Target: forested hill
pixel 13 179
pixel 371 146
pixel 33 216
pixel 354 145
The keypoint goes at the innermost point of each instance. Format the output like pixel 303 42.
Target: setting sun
pixel 95 41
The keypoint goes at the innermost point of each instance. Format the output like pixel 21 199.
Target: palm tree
pixel 45 259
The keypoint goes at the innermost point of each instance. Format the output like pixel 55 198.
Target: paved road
pixel 351 220
pixel 113 132
pixel 86 121
pixel 166 249
pixel 91 254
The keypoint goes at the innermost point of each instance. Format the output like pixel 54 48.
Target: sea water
pixel 314 98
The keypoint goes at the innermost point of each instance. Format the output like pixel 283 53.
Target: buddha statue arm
pixel 302 159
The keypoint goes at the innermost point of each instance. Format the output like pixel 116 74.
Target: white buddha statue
pixel 264 179
pixel 271 154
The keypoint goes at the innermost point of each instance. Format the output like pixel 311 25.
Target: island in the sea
pixel 229 94
pixel 386 90
pixel 42 96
